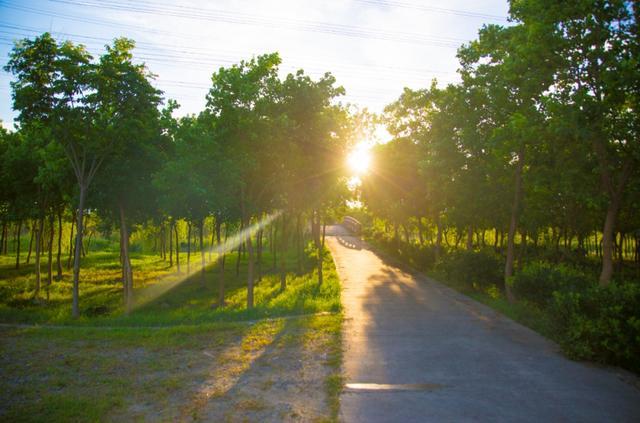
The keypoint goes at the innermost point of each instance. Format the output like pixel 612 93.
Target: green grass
pixel 162 296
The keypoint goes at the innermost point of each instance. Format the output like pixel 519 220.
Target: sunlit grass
pixel 186 302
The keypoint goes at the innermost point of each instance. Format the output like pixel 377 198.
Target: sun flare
pixel 359 159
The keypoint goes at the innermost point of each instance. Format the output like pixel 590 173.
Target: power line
pixel 181 54
pixel 443 10
pixel 209 15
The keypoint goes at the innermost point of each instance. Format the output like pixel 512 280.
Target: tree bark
pixel 171 243
pixel 240 243
pixel 73 222
pixel 259 255
pixel 615 190
pixel 221 260
pixel 316 220
pixel 3 234
pixel 59 254
pixel 31 237
pixel 202 274
pixel 249 267
pixel 283 249
pixel 50 263
pixel 38 251
pixel 175 229
pixel 75 308
pixel 126 262
pixel 188 247
pixel 18 244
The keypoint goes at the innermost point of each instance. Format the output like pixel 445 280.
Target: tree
pixel 598 41
pixel 239 101
pixel 126 111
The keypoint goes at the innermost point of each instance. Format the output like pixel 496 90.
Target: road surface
pixel 417 351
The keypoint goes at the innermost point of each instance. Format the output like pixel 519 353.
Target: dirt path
pixel 436 355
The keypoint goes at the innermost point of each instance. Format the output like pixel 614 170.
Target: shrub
pixel 537 281
pixel 600 324
pixel 476 269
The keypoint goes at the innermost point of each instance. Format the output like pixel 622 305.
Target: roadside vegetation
pixel 520 184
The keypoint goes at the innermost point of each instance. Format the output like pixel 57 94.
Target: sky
pixel 374 48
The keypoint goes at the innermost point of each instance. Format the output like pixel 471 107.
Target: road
pixel 417 351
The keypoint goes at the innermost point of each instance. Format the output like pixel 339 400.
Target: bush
pixel 537 281
pixel 600 324
pixel 476 269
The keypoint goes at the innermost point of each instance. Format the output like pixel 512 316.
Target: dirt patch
pixel 268 371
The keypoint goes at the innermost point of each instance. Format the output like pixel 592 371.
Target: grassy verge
pixel 523 313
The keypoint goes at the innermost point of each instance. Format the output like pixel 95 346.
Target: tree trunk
pixel 175 229
pixel 18 244
pixel 621 252
pixel 250 264
pixel 126 261
pixel 38 251
pixel 438 237
pixel 202 274
pixel 316 220
pixel 221 259
pixel 59 254
pixel 31 237
pixel 75 308
pixel 73 222
pixel 50 263
pixel 615 190
pixel 406 233
pixel 274 249
pixel 513 226
pixel 259 255
pixel 240 242
pixel 283 249
pixel 171 243
pixel 470 238
pixel 216 224
pixel 188 247
pixel 5 243
pixel 3 233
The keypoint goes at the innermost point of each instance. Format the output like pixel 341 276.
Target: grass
pixel 164 297
pixel 175 357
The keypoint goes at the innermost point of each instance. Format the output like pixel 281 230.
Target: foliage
pixel 600 324
pixel 538 281
pixel 475 269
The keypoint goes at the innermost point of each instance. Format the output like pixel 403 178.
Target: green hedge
pixel 476 269
pixel 537 282
pixel 601 324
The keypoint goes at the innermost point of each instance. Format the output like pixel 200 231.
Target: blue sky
pixel 373 47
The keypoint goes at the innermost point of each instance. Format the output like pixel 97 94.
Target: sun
pixel 359 159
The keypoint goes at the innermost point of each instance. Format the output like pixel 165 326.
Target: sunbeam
pixel 167 283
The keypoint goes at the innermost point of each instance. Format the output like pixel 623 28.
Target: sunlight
pixel 359 159
pixel 169 282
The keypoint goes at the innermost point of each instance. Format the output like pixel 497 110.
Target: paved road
pixel 446 358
